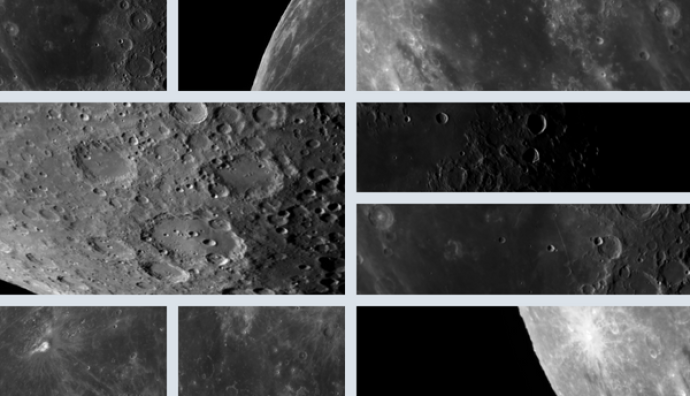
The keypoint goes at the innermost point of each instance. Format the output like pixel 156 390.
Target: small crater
pixel 102 163
pixel 139 66
pixel 611 247
pixel 140 20
pixel 638 212
pixel 49 214
pixel 536 123
pixel 189 113
pixel 250 177
pixel 381 217
pixel 667 13
pixel 165 272
pixel 11 28
pixel 112 247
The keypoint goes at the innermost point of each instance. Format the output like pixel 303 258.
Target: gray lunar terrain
pixel 172 198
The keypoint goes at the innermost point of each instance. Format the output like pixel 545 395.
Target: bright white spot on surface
pixel 43 347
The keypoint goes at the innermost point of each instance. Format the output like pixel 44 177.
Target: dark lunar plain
pixel 520 45
pixel 523 249
pixel 94 351
pixel 83 45
pixel 573 147
pixel 615 351
pixel 447 350
pixel 186 198
pixel 280 45
pixel 284 351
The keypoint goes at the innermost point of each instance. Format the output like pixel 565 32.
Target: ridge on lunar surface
pixel 523 249
pixel 262 350
pixel 516 45
pixel 83 45
pixel 172 198
pixel 307 49
pixel 518 147
pixel 83 351
pixel 612 350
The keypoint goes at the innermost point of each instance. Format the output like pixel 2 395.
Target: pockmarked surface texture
pixel 307 50
pixel 98 351
pixel 172 198
pixel 83 45
pixel 517 45
pixel 612 350
pixel 523 249
pixel 262 350
pixel 519 147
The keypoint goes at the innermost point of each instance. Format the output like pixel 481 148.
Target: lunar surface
pixel 307 50
pixel 612 350
pixel 83 45
pixel 453 45
pixel 572 147
pixel 523 249
pixel 64 351
pixel 262 350
pixel 172 198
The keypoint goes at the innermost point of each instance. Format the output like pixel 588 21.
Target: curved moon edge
pixel 612 350
pixel 307 50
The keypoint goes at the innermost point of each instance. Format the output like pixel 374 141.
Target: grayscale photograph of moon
pixel 523 249
pixel 89 351
pixel 519 147
pixel 173 198
pixel 253 351
pixel 83 45
pixel 538 350
pixel 276 45
pixel 523 45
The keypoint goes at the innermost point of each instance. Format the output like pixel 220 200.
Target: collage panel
pixel 291 351
pixel 535 350
pixel 519 147
pixel 173 198
pixel 512 45
pixel 85 351
pixel 277 45
pixel 523 249
pixel 83 45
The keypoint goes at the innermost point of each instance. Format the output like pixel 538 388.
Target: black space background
pixel 222 42
pixel 446 350
pixel 8 288
pixel 641 145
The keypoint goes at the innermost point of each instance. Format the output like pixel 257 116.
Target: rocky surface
pixel 172 198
